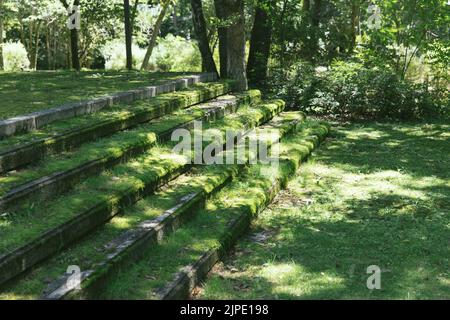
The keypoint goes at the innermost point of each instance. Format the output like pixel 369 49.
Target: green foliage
pixel 114 54
pixel 352 90
pixel 174 53
pixel 15 57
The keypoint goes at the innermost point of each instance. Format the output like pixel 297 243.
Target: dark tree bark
pixel 354 24
pixel 306 5
pixel 317 11
pixel 315 22
pixel 208 63
pixel 73 39
pixel 222 32
pixel 236 69
pixel 134 13
pixel 260 42
pixel 128 33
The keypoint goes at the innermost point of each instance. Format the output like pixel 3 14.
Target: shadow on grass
pixel 373 194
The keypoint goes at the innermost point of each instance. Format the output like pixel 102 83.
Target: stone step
pixel 172 269
pixel 127 247
pixel 57 224
pixel 58 174
pixel 64 135
pixel 39 119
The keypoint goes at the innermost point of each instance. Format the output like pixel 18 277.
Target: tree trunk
pixel 259 47
pixel 354 24
pixel 73 39
pixel 222 32
pixel 315 22
pixel 236 69
pixel 281 32
pixel 155 34
pixel 208 63
pixel 317 11
pixel 36 45
pixel 48 46
pixel 128 34
pixel 74 49
pixel 134 13
pixel 306 5
pixel 1 37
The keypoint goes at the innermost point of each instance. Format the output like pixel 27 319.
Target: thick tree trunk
pixel 208 63
pixel 1 36
pixel 306 5
pixel 222 32
pixel 259 47
pixel 236 69
pixel 74 49
pixel 317 11
pixel 155 34
pixel 128 33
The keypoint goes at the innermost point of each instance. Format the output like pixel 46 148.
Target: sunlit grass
pixel 373 194
pixel 26 92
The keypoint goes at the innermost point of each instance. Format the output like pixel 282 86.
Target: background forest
pixel 340 58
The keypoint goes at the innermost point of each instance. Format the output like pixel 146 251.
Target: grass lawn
pixel 372 194
pixel 25 92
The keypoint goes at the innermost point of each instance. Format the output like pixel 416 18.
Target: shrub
pixel 172 54
pixel 15 57
pixel 294 85
pixel 114 53
pixel 348 89
pixel 175 54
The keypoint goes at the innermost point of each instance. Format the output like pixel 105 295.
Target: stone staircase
pixel 105 193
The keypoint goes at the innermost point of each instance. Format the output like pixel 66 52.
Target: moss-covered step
pixel 170 270
pixel 126 247
pixel 41 230
pixel 58 173
pixel 66 134
pixel 38 119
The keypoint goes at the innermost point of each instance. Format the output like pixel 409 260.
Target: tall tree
pixel 306 5
pixel 315 23
pixel 73 37
pixel 354 23
pixel 236 42
pixel 222 32
pixel 260 43
pixel 155 33
pixel 1 35
pixel 208 63
pixel 128 33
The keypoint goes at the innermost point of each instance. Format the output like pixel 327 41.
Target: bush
pixel 15 57
pixel 114 53
pixel 175 54
pixel 172 54
pixel 348 89
pixel 294 85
